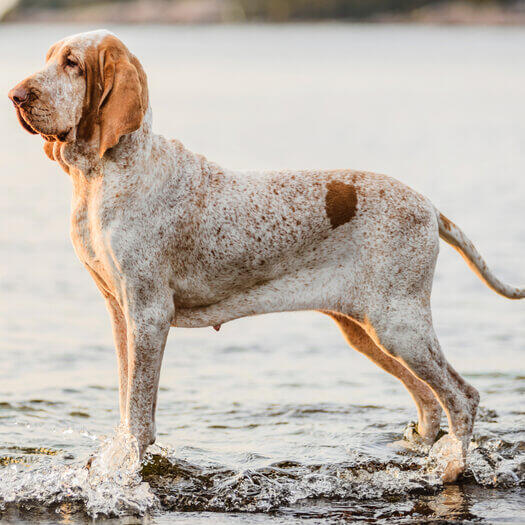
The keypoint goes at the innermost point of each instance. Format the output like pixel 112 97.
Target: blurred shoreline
pixel 238 11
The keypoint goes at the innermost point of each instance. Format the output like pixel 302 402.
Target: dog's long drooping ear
pixel 124 100
pixel 116 95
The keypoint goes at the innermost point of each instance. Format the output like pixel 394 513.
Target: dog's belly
pixel 335 274
pixel 210 284
pixel 324 287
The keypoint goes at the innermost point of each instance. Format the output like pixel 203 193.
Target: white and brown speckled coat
pixel 172 239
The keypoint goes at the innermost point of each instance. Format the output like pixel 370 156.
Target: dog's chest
pixel 82 236
pixel 88 236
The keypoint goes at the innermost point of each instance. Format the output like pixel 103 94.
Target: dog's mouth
pixel 24 123
pixel 31 128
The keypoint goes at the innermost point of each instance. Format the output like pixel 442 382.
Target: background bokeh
pixel 239 11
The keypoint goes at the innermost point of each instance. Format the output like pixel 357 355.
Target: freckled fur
pixel 172 239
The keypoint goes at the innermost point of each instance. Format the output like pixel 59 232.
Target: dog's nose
pixel 18 95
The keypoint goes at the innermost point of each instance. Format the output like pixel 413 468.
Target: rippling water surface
pixel 274 418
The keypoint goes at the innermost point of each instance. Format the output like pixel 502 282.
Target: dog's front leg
pixel 148 323
pixel 118 323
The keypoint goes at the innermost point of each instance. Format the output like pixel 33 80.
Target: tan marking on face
pixel 340 202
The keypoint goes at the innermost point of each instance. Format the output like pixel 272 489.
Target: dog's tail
pixel 450 233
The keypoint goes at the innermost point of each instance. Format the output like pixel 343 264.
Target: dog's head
pixel 91 90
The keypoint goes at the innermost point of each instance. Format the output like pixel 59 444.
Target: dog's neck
pixel 140 160
pixel 83 163
pixel 133 149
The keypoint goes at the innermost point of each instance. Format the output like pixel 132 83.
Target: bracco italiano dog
pixel 172 239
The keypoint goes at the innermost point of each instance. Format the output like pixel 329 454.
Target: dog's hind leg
pixel 428 408
pixel 406 333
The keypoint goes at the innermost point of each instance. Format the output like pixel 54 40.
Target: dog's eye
pixel 71 62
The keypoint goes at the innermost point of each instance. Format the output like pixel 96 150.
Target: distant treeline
pixel 279 10
pixel 282 10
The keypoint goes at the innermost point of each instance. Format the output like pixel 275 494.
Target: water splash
pixel 116 484
pixel 108 484
pixel 183 486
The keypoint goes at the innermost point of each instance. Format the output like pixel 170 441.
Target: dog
pixel 172 239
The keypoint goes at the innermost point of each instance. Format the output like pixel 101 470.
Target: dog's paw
pixel 411 434
pixel 448 457
pixel 412 441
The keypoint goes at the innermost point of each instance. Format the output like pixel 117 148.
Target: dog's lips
pixel 22 118
pixel 62 137
pixel 24 123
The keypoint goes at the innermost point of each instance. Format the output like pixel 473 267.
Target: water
pixel 273 415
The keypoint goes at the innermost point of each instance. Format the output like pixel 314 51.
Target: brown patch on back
pixel 340 202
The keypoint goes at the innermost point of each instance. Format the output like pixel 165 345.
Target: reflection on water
pixel 274 415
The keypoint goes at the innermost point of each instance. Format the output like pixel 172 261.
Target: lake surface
pixel 274 419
